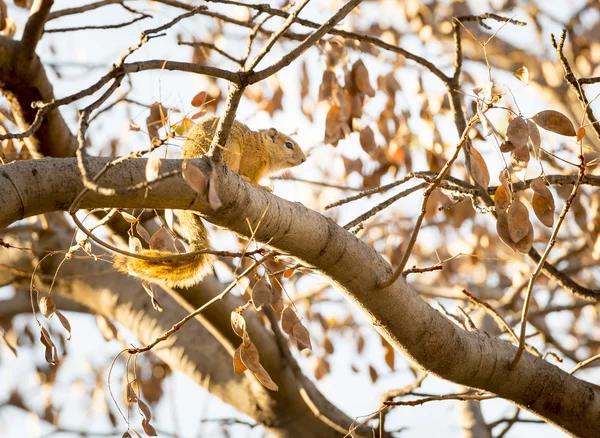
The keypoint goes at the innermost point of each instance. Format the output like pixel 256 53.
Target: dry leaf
pixel 64 322
pixel 501 200
pixel 373 374
pixel 580 133
pixel 128 217
pixel 288 320
pixel 507 146
pixel 367 140
pixel 518 131
pixel 543 202
pixel 148 428
pixel 360 78
pixel 153 168
pixel 554 121
pixel 238 365
pixel 502 230
pixel 194 177
pixel 144 234
pixel 131 395
pixel 199 99
pixel 145 410
pixel 250 357
pixel 302 337
pixel 288 273
pixel 107 328
pixel 534 136
pixel 133 126
pixel 525 244
pixel 522 74
pixel 158 241
pixel 479 169
pixel 46 304
pixel 238 323
pixel 519 157
pixel 261 295
pixel 518 220
pixel 264 378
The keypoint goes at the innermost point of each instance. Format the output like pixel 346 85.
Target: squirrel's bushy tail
pixel 179 271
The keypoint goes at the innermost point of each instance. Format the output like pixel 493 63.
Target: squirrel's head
pixel 285 152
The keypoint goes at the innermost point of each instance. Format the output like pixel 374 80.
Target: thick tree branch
pixel 421 333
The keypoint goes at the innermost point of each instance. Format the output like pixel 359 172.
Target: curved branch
pixel 414 328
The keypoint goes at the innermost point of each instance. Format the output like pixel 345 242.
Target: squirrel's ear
pixel 272 132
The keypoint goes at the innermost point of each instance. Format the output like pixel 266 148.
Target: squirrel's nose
pixel 303 159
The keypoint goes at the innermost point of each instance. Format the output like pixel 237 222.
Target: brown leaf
pixel 128 217
pixel 328 84
pixel 518 131
pixel 238 365
pixel 238 324
pixel 131 395
pixel 133 126
pixel 507 146
pixel 64 322
pixel 46 304
pixel 288 273
pixel 144 234
pixel 250 357
pixel 145 410
pixel 501 199
pixel 373 373
pixel 107 328
pixel 126 434
pixel 519 158
pixel 334 130
pixel 328 345
pixel 322 368
pixel 534 136
pixel 194 177
pixel 199 99
pixel 502 230
pixel 554 121
pixel 148 428
pixel 522 74
pixel 261 295
pixel 153 168
pixel 525 244
pixel 158 241
pixel 213 191
pixel 543 202
pixel 288 320
pixel 155 120
pixel 302 337
pixel 479 169
pixel 367 140
pixel 518 220
pixel 360 77
pixel 580 133
pixel 264 378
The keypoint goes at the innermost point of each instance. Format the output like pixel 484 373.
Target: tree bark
pixel 422 334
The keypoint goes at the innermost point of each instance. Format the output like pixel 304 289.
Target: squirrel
pixel 251 154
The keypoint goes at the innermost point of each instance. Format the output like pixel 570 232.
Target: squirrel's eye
pixel 289 145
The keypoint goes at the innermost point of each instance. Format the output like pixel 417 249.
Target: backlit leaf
pixel 554 121
pixel 479 169
pixel 518 220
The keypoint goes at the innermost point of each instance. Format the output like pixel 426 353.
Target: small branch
pixel 178 325
pixel 78 10
pixel 275 36
pixel 33 33
pixel 432 186
pixel 302 47
pixel 540 264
